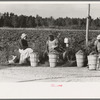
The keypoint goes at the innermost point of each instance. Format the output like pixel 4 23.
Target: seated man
pixel 52 45
pixel 24 50
pixel 97 49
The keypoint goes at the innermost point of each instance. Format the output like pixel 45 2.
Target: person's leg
pixel 65 56
pixel 29 51
pixel 45 56
pixel 98 61
pixel 25 54
pixel 22 59
pixel 17 57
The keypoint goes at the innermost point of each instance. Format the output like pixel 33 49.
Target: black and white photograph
pixel 49 49
pixel 49 42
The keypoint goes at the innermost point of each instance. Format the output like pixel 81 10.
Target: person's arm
pixel 47 48
pixel 95 46
pixel 56 44
pixel 20 44
pixel 25 46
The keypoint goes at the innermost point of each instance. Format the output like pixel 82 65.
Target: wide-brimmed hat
pixel 98 37
pixel 23 35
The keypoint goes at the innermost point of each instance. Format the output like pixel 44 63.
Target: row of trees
pixel 22 21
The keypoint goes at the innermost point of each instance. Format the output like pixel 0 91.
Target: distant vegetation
pixel 23 21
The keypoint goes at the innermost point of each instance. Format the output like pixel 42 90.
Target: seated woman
pixel 24 50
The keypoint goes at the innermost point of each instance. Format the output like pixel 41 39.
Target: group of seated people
pixel 23 55
pixel 52 45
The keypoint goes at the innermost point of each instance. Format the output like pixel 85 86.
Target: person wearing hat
pixel 24 50
pixel 97 44
pixel 97 48
pixel 23 44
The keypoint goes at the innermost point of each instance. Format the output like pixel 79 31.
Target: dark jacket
pixel 23 44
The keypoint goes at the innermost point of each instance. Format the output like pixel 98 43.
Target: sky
pixel 75 10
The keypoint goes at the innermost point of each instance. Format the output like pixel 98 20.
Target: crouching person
pixel 24 51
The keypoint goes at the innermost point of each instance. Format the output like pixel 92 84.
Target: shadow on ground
pixel 4 66
pixel 41 79
pixel 46 64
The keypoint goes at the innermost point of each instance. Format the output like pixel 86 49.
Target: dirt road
pixel 47 74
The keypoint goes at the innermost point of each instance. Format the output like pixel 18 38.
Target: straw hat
pixel 23 35
pixel 98 37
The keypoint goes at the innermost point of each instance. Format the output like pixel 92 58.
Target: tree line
pixel 22 21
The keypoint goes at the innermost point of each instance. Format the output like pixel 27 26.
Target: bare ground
pixel 47 74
